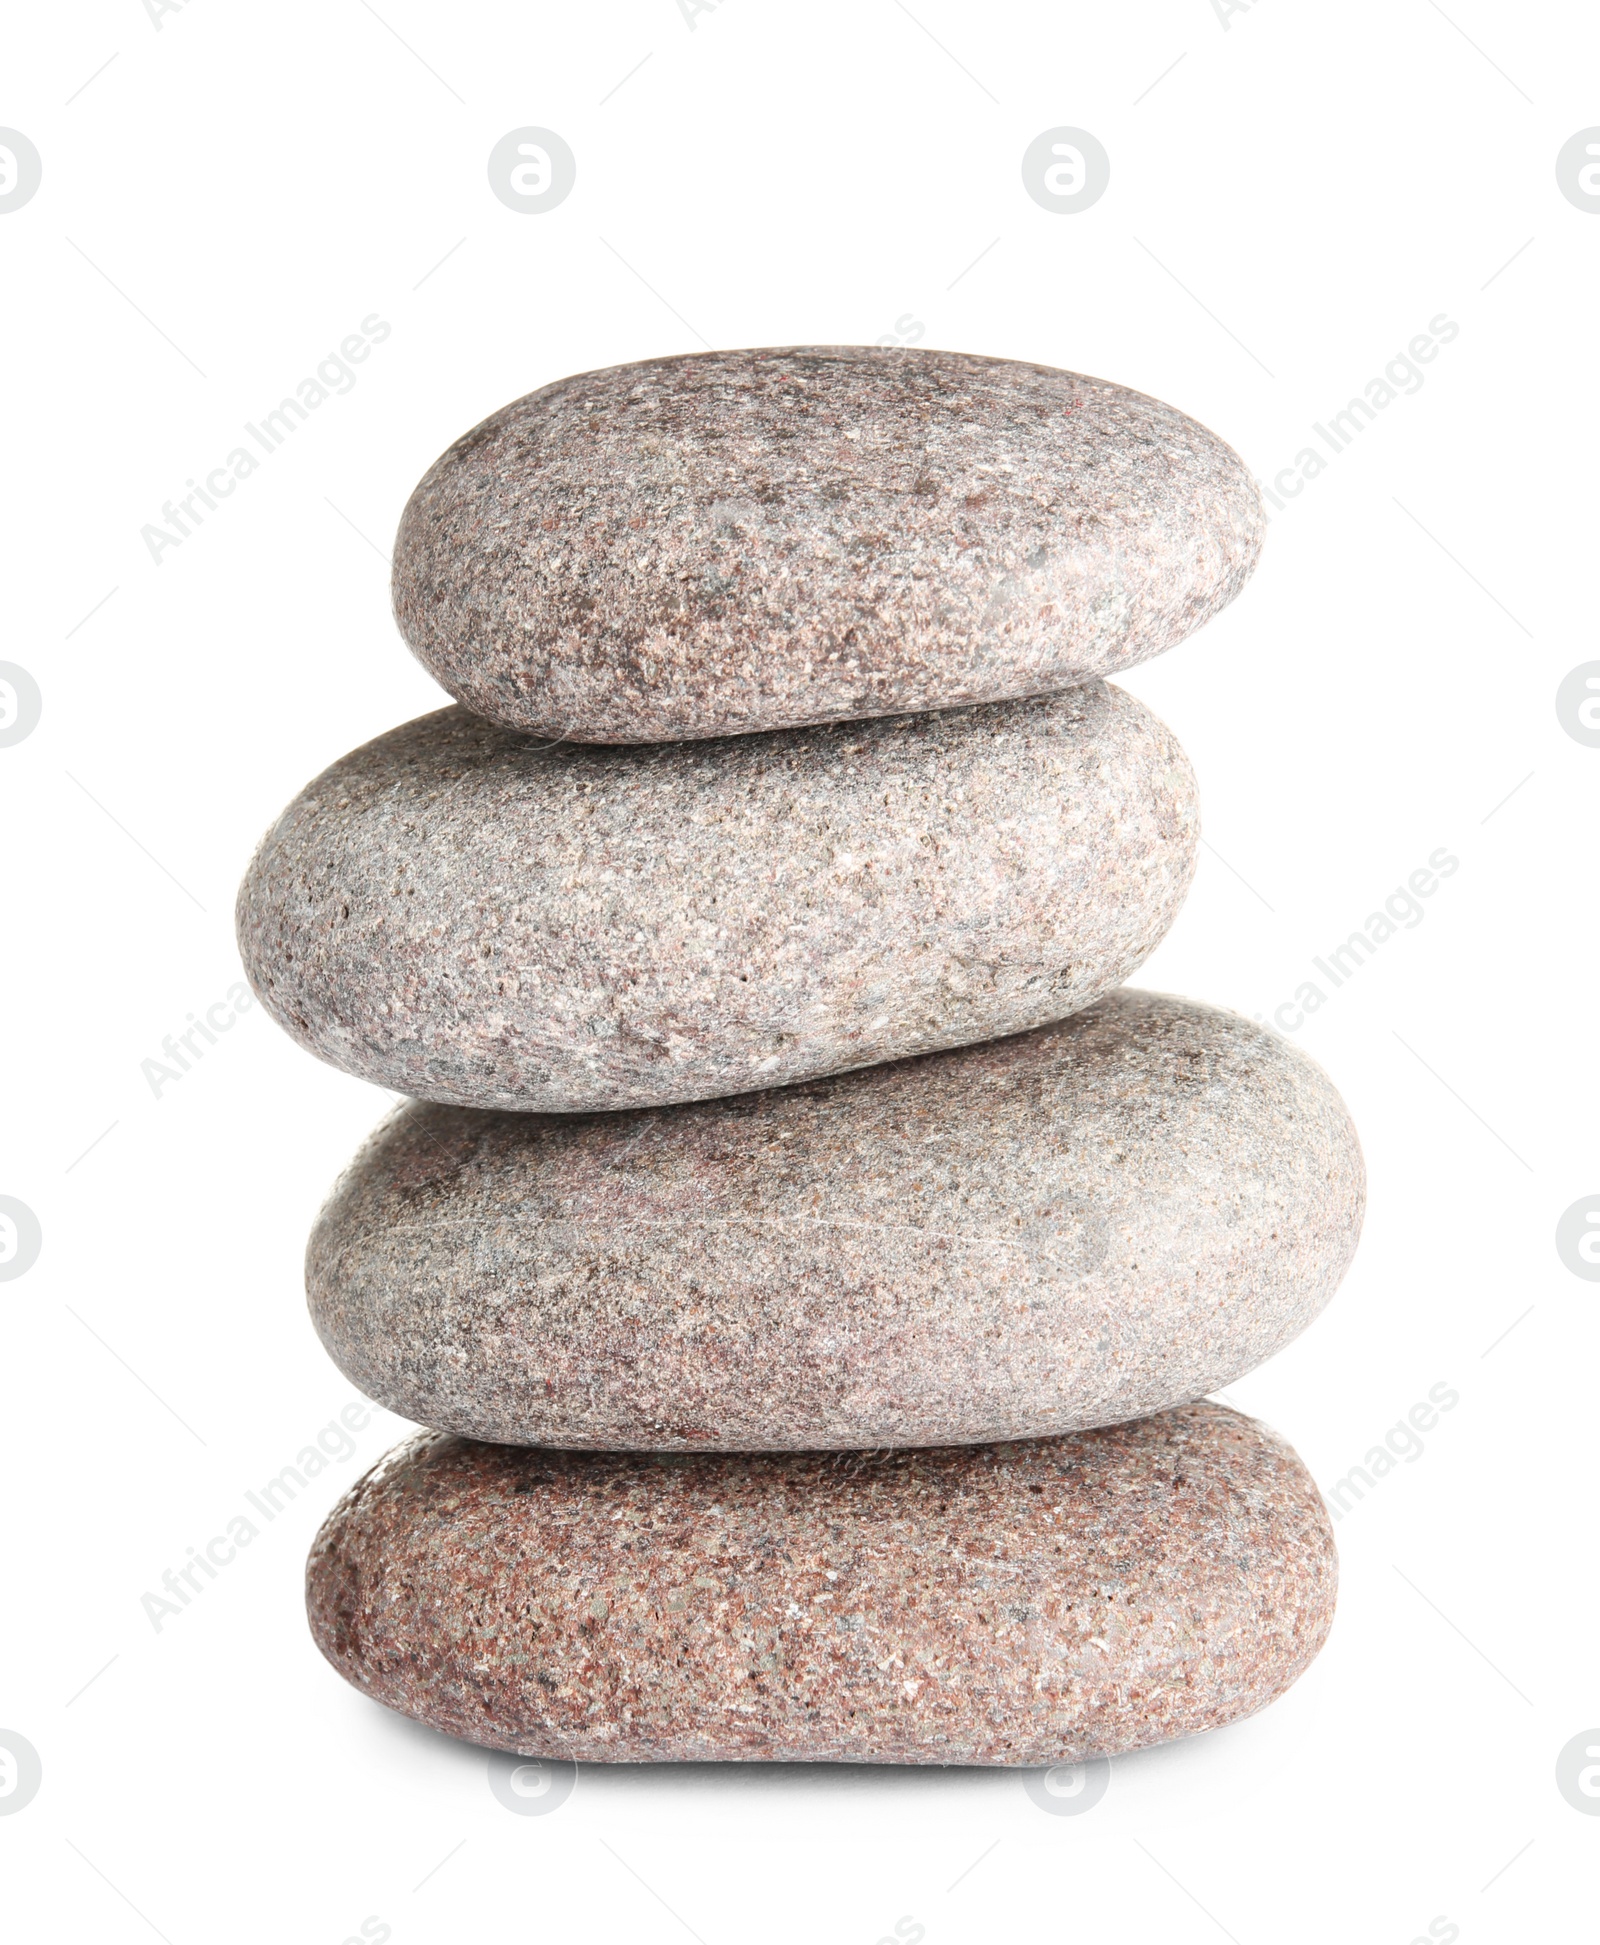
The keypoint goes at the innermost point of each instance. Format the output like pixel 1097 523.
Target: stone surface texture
pixel 750 540
pixel 468 916
pixel 1079 1225
pixel 1032 1603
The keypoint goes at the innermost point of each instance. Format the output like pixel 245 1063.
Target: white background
pixel 1289 205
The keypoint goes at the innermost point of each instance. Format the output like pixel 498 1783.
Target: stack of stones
pixel 813 1261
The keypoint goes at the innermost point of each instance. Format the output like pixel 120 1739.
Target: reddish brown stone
pixel 1034 1603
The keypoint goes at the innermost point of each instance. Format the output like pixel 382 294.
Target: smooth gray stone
pixel 465 915
pixel 1075 1226
pixel 752 540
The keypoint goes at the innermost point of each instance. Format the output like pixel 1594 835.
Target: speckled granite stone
pixel 1033 1603
pixel 1079 1225
pixel 468 916
pixel 751 540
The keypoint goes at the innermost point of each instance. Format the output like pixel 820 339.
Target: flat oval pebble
pixel 750 540
pixel 1079 1225
pixel 468 916
pixel 1043 1602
